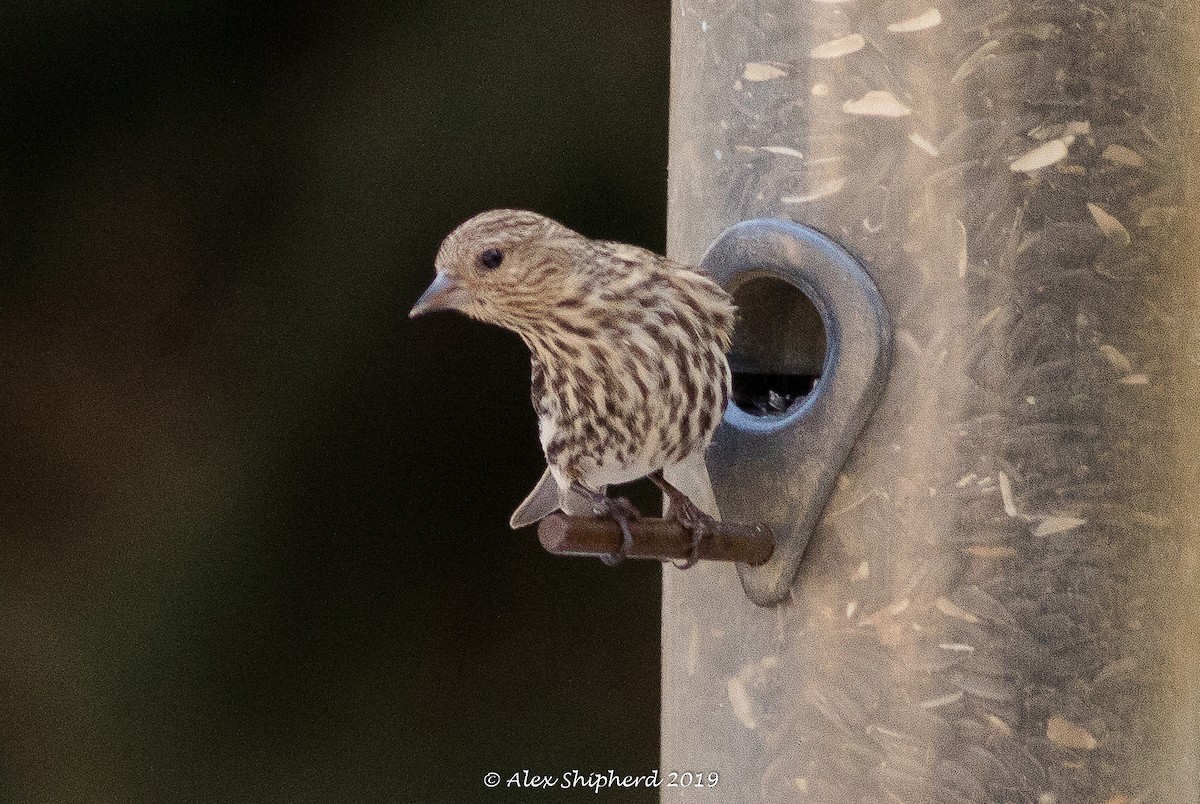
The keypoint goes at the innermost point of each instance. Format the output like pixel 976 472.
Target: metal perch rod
pixel 660 539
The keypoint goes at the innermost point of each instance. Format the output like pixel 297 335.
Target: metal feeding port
pixel 810 356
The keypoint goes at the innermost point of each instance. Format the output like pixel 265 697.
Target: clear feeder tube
pixel 1000 602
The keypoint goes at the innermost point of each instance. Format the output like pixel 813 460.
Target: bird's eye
pixel 490 260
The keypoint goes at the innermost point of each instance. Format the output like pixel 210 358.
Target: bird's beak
pixel 442 294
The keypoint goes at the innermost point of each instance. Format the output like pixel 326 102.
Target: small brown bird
pixel 628 348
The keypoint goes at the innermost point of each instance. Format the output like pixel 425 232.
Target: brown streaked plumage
pixel 628 351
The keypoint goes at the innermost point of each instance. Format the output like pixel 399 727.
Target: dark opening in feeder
pixel 778 347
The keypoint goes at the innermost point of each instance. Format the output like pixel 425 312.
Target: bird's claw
pixel 623 512
pixel 698 523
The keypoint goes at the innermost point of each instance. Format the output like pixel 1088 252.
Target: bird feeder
pixel 998 600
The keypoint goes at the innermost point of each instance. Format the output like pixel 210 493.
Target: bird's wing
pixel 691 477
pixel 545 499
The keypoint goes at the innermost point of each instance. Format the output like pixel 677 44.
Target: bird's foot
pixel 624 512
pixel 700 525
pixel 620 510
pixel 685 512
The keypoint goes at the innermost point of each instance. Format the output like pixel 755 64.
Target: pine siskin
pixel 628 349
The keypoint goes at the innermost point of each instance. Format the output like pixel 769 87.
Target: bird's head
pixel 506 267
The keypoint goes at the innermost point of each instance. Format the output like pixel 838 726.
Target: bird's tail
pixel 545 499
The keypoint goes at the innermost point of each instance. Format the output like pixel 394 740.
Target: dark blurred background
pixel 253 521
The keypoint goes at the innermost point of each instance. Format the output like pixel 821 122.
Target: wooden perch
pixel 660 539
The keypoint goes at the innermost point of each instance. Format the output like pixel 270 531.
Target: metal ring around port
pixel 781 469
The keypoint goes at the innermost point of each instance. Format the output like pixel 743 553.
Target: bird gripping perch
pixel 629 378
